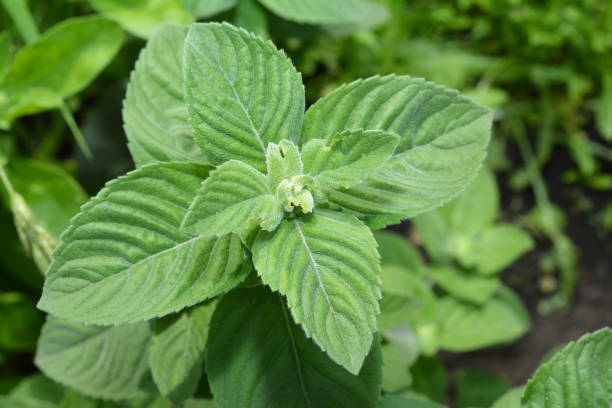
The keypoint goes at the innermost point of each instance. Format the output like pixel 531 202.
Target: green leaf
pixel 283 161
pixel 258 357
pixel 363 13
pixel 142 17
pixel 577 377
pixel 59 64
pixel 68 57
pixel 443 142
pixel 327 265
pixel 241 94
pixel 511 399
pixel 402 281
pixel 207 8
pixel 400 401
pixel 20 323
pixel 177 351
pixel 478 389
pixel 232 199
pixel 154 112
pixel 251 16
pixel 103 362
pixel 603 109
pixel 499 246
pixel 430 378
pixel 395 249
pixel 349 158
pixel 465 327
pixel 36 391
pixel 124 259
pixel 43 198
pixel 464 285
pixel 478 207
pixel 5 54
pixel 396 375
pixel 53 195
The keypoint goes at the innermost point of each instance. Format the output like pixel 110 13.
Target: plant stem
pixel 21 16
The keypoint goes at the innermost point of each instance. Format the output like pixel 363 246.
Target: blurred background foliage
pixel 546 68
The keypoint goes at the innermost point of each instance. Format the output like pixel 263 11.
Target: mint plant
pixel 237 187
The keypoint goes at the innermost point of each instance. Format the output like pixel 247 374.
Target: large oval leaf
pixel 579 376
pixel 124 259
pixel 327 265
pixel 105 362
pixel 444 138
pixel 241 93
pixel 258 357
pixel 154 112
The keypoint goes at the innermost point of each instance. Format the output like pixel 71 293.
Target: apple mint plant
pixel 236 187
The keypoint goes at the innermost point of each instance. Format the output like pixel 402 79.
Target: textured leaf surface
pixel 154 112
pixel 579 376
pixel 177 351
pixel 241 93
pixel 350 157
pixel 124 259
pixel 105 362
pixel 258 357
pixel 327 265
pixel 207 8
pixel 464 327
pixel 233 198
pixel 68 56
pixel 142 17
pixel 361 12
pixel 443 142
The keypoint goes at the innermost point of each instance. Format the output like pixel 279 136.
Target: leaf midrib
pixel 318 275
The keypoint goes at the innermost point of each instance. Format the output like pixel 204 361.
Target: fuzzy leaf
pixel 283 161
pixel 232 199
pixel 154 112
pixel 258 357
pixel 142 17
pixel 443 142
pixel 350 157
pixel 579 376
pixel 124 259
pixel 241 94
pixel 177 351
pixel 104 362
pixel 363 13
pixel 327 265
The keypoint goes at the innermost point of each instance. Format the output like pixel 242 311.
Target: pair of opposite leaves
pixel 161 238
